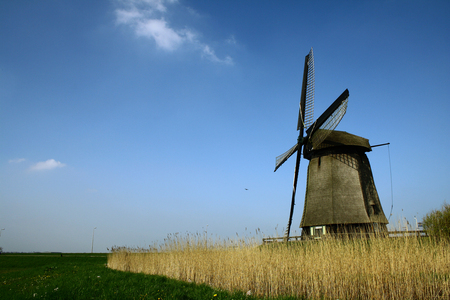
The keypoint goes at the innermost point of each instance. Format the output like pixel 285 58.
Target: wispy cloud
pixel 231 40
pixel 148 19
pixel 209 54
pixel 16 161
pixel 47 165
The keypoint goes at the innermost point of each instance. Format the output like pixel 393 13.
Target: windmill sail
pixel 306 109
pixel 306 112
pixel 283 157
pixel 307 93
pixel 328 120
pixel 329 125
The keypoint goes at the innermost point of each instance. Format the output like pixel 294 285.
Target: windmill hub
pixel 302 140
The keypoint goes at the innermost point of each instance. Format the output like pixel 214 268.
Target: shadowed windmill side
pixel 341 196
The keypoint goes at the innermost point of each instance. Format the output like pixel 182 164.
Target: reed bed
pixel 377 268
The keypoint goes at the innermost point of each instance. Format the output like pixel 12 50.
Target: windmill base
pixel 344 231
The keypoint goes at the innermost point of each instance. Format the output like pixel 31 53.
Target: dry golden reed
pixel 378 268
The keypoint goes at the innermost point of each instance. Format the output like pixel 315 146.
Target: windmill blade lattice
pixel 308 118
pixel 306 113
pixel 310 89
pixel 329 125
pixel 283 157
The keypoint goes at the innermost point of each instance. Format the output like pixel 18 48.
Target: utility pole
pixel 93 231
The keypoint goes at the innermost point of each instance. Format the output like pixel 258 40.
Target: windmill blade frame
pixel 330 124
pixel 306 100
pixel 284 157
pixel 325 124
pixel 306 109
pixel 326 114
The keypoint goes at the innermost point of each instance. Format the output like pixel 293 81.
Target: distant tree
pixel 437 222
pixel 1 250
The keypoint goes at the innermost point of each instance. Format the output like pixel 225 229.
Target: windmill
pixel 320 143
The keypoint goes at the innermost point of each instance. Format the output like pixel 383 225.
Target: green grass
pixel 85 276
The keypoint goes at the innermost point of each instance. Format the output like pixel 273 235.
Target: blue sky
pixel 145 118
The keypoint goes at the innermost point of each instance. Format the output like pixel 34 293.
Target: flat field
pixel 85 276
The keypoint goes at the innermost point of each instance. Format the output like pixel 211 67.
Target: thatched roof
pixel 337 138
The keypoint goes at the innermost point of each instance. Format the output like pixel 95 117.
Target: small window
pixel 318 231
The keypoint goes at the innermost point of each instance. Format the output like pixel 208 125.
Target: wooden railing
pixel 404 233
pixel 281 239
pixel 391 234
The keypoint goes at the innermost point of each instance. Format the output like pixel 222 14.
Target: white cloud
pixel 209 54
pixel 157 4
pixel 127 16
pixel 147 18
pixel 47 165
pixel 165 37
pixel 17 160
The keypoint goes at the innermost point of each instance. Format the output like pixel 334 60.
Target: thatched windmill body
pixel 341 196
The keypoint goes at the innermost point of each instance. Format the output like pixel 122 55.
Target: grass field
pixel 85 276
pixel 379 268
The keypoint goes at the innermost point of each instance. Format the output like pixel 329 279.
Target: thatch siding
pixel 340 188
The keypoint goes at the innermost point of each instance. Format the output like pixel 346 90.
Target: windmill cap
pixel 344 139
